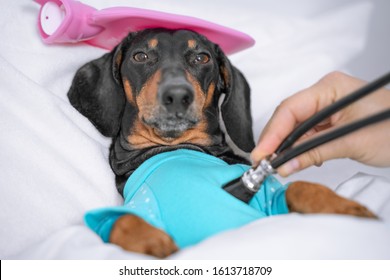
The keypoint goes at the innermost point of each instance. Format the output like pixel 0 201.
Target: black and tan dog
pixel 161 90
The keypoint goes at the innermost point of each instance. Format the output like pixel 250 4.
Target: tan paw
pixel 134 234
pixel 353 208
pixel 305 197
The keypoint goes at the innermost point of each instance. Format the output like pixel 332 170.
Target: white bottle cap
pixel 51 17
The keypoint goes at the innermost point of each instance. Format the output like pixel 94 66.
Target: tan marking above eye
pixel 152 43
pixel 192 44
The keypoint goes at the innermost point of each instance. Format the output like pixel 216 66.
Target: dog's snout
pixel 177 99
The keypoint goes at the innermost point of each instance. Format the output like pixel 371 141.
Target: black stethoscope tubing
pixel 286 152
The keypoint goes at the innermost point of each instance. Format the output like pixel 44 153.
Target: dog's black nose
pixel 177 99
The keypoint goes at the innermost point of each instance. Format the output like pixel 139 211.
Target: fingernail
pixel 289 168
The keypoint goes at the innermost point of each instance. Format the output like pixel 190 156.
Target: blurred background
pixel 375 59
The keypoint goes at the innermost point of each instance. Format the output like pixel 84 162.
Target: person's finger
pixel 316 156
pixel 273 135
pixel 289 114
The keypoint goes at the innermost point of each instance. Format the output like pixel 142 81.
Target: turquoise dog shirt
pixel 180 192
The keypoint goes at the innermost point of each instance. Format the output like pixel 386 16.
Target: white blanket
pixel 54 163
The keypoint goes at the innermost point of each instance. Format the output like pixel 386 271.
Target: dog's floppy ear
pixel 235 108
pixel 97 92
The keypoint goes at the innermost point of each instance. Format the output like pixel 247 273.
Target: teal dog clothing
pixel 180 192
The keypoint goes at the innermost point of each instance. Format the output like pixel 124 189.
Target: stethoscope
pixel 246 186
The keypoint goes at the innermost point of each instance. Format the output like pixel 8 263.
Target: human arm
pixel 370 145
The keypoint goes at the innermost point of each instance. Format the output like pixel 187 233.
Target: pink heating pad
pixel 68 21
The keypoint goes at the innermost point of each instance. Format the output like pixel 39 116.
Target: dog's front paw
pixel 349 207
pixel 304 197
pixel 134 234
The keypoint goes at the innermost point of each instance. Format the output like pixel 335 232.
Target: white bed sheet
pixel 54 162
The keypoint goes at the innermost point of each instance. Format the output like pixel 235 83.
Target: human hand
pixel 370 145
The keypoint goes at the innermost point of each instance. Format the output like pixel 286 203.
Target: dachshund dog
pixel 161 90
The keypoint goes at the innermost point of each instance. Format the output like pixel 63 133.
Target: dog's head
pixel 163 87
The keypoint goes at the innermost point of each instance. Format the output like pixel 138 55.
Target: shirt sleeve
pixel 143 204
pixel 271 198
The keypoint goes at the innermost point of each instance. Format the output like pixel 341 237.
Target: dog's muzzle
pixel 176 112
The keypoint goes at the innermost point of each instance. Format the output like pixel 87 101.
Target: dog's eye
pixel 202 58
pixel 140 57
